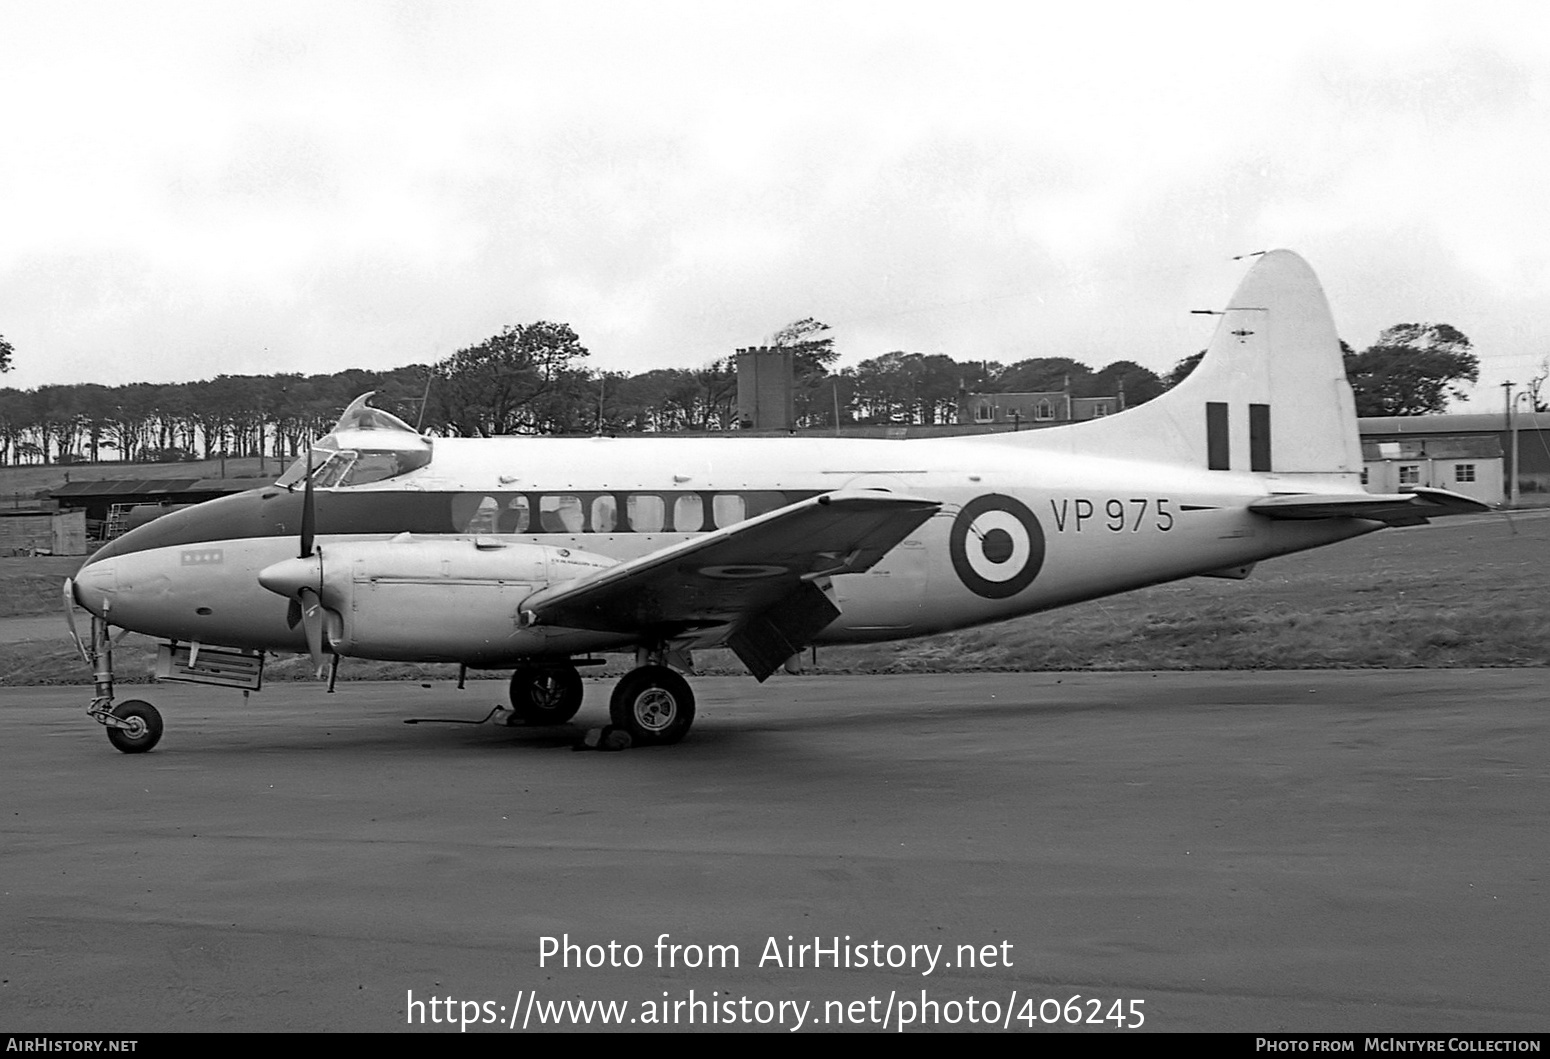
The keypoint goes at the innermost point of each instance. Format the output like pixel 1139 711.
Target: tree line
pixel 533 379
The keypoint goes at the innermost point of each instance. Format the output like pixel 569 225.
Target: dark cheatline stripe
pixel 274 512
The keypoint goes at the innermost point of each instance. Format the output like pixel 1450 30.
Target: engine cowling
pixel 434 600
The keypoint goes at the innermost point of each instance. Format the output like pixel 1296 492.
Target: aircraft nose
pixel 96 584
pixel 289 576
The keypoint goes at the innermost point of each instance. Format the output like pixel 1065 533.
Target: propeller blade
pixel 312 621
pixel 293 615
pixel 308 511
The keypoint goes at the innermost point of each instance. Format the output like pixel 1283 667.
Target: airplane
pixel 539 554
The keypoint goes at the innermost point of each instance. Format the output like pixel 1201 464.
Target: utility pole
pixel 1512 467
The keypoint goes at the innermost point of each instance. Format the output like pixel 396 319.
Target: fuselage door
pixel 888 600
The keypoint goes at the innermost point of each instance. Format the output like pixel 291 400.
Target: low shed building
pixel 1531 430
pixel 106 504
pixel 42 531
pixel 1468 465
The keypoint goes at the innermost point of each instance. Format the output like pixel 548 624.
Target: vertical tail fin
pixel 1269 396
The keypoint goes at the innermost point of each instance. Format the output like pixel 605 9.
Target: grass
pixel 1462 593
pixel 1469 593
pixel 30 586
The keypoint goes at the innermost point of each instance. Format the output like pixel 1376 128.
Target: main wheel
pixel 144 729
pixel 654 704
pixel 546 694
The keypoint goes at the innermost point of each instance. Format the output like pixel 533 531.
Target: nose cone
pixel 289 576
pixel 96 584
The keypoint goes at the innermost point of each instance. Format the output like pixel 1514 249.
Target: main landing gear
pixel 652 702
pixel 545 694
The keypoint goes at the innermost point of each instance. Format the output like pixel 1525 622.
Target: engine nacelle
pixel 437 600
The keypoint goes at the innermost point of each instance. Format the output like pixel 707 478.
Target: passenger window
pixel 474 513
pixel 688 513
pixel 647 512
pixel 560 514
pixel 484 518
pixel 605 514
pixel 513 517
pixel 728 508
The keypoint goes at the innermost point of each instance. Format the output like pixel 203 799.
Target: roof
pixel 1017 395
pixel 1452 423
pixel 1434 447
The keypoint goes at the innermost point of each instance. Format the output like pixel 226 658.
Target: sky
pixel 192 189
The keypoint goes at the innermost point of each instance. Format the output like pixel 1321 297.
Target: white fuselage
pixel 1020 530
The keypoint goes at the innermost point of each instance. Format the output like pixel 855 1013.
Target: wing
pixel 758 586
pixel 1397 509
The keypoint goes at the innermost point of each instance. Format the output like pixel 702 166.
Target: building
pixel 1533 447
pixel 766 390
pixel 1045 408
pixel 1468 465
pixel 105 506
pixel 42 530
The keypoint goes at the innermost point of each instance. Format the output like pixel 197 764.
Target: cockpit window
pixel 348 467
pixel 366 445
pixel 375 466
pixel 297 472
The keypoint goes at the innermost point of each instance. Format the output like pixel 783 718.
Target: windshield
pixel 367 445
pixel 347 467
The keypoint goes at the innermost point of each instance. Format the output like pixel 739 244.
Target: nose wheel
pixel 138 726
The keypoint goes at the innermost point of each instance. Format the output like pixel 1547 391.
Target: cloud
pixel 206 187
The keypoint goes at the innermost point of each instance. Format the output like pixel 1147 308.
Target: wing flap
pixel 1396 509
pixel 750 578
pixel 768 638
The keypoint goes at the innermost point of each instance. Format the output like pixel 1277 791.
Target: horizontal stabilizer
pixel 1397 509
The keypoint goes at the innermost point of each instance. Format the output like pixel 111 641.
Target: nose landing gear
pixel 141 726
pixel 133 726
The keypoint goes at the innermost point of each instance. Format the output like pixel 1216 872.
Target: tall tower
pixel 765 388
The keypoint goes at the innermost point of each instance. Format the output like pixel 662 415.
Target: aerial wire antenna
pixel 424 398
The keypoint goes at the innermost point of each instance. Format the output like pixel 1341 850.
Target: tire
pixel 146 732
pixel 546 694
pixel 653 704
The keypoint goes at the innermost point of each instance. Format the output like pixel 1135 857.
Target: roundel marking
pixel 997 546
pixel 743 571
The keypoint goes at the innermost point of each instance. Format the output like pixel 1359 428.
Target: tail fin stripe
pixel 1218 445
pixel 1259 437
